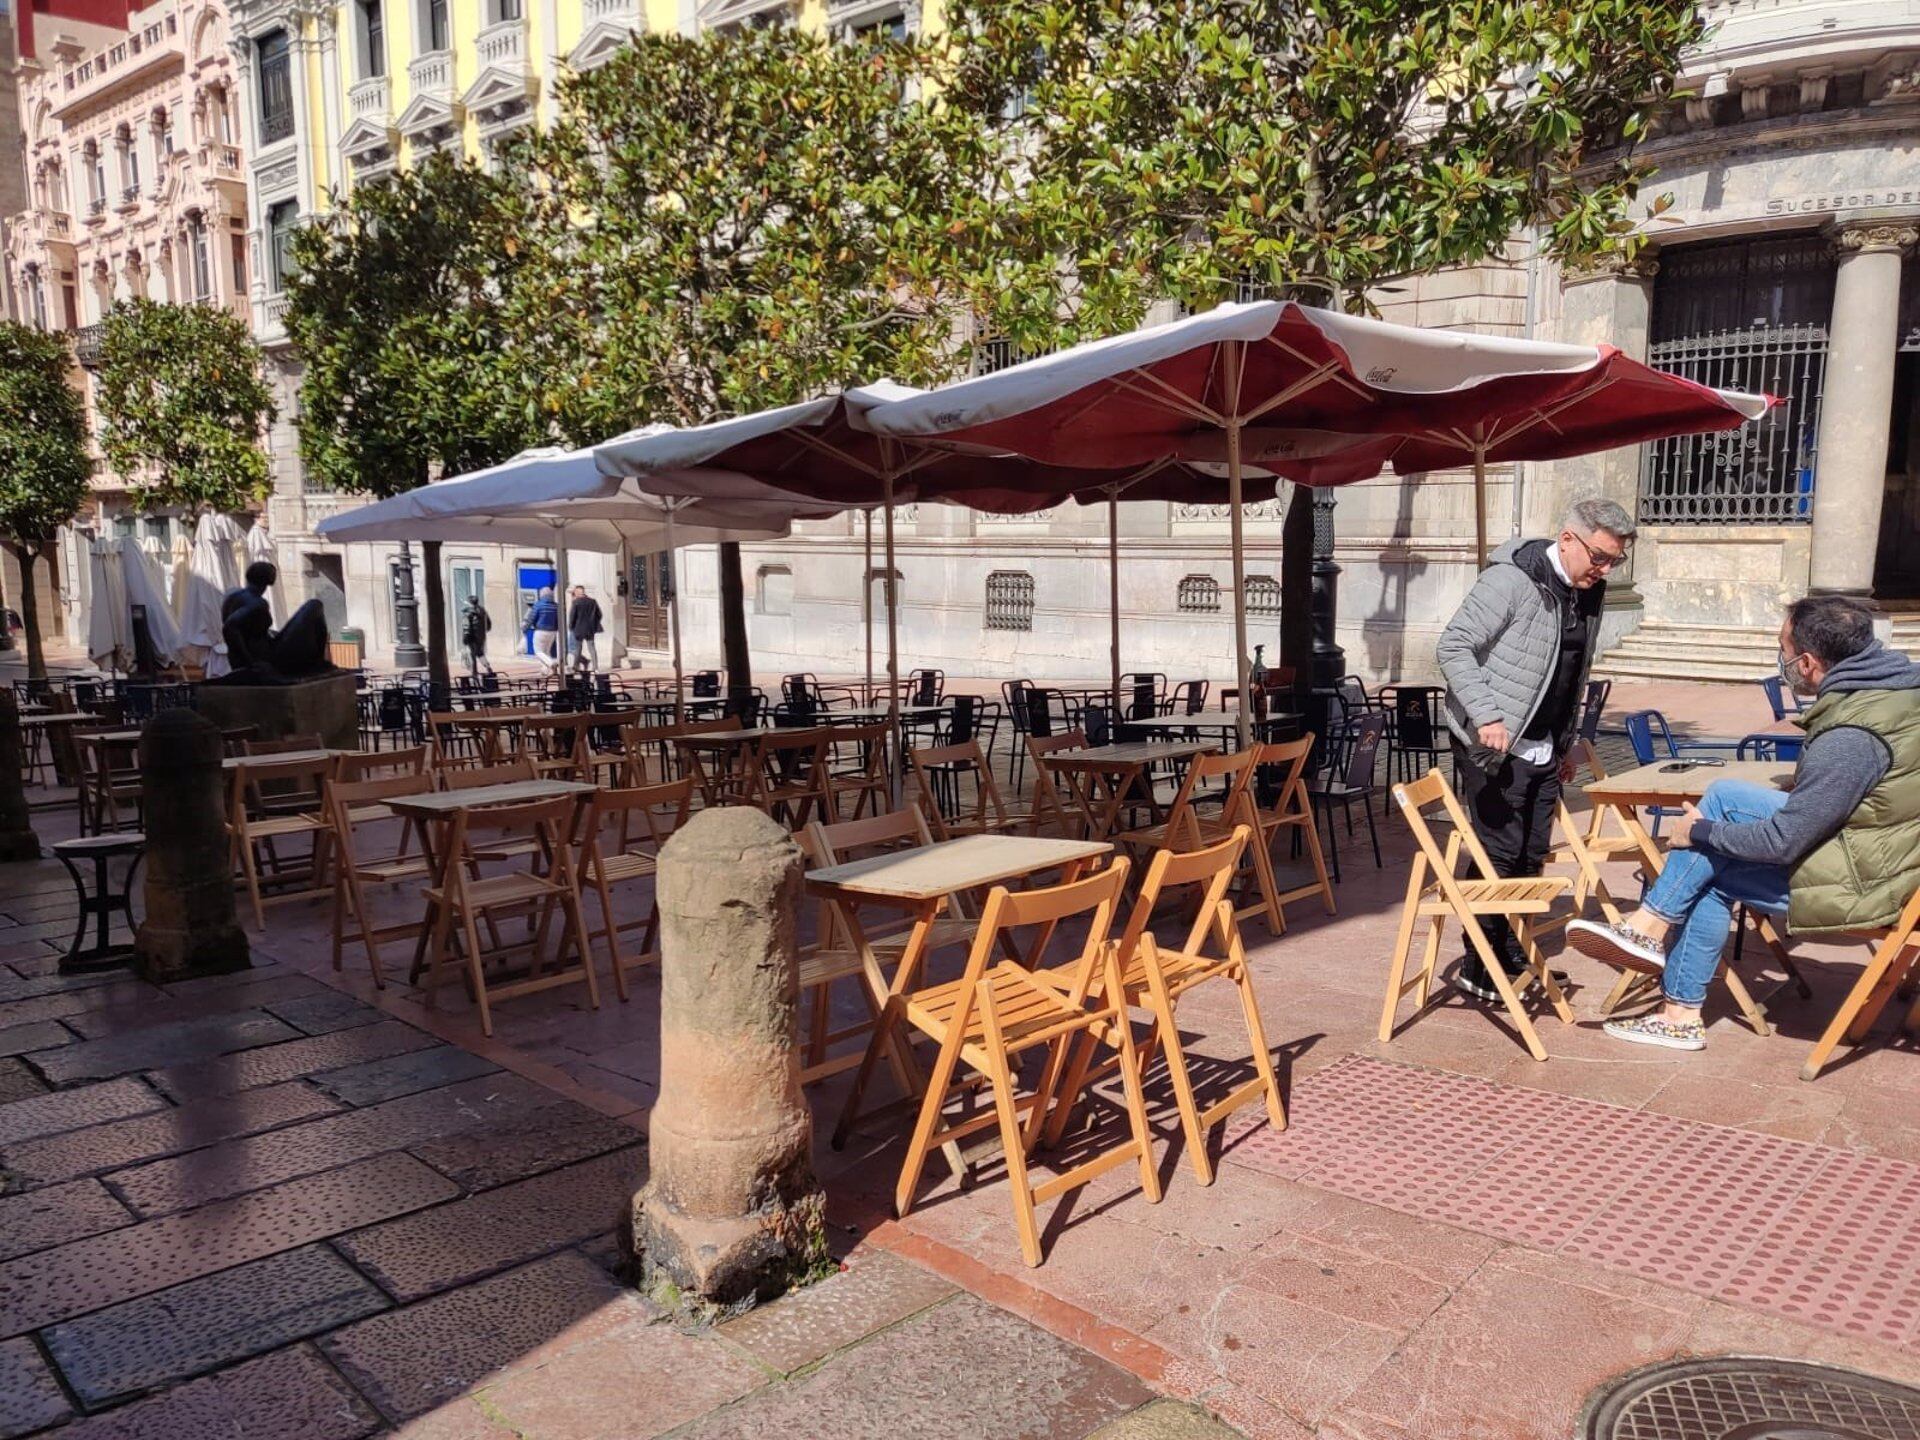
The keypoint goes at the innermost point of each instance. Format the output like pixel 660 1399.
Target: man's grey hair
pixel 1595 513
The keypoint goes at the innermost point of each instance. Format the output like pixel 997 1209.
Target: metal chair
pixel 1652 740
pixel 1780 698
pixel 1416 735
pixel 1355 783
pixel 1189 697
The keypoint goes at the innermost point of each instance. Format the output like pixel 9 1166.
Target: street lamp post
pixel 408 652
pixel 1329 660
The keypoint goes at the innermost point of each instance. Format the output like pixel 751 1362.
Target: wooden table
pixel 1102 777
pixel 244 762
pixel 488 724
pixel 49 721
pixel 733 750
pixel 921 881
pixel 1226 721
pixel 877 714
pixel 1619 797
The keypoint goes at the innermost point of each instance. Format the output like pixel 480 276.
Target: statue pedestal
pixel 325 706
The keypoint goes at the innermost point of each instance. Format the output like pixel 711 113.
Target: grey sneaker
pixel 1618 945
pixel 1652 1030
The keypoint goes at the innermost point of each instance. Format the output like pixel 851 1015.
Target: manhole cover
pixel 1731 1399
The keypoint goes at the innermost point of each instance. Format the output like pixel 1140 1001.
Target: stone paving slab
pixel 959 1368
pixel 186 1040
pixel 453 1244
pixel 104 1270
pixel 121 1143
pixel 42 1219
pixel 216 1320
pixel 15 986
pixel 1166 1420
pixel 58 1110
pixel 541 1140
pixel 289 1061
pixel 237 1166
pixel 34 1035
pixel 18 1082
pixel 324 1014
pixel 30 1397
pixel 289 1395
pixel 874 1291
pixel 75 1002
pixel 372 1081
pixel 108 1014
pixel 408 1361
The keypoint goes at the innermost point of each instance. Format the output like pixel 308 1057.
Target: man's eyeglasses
pixel 1602 559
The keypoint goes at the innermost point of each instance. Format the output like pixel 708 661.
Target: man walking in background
pixel 1515 657
pixel 583 623
pixel 543 619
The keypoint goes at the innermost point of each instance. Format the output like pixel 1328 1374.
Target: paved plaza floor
pixel 284 1204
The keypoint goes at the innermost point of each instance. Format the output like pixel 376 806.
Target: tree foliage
pixel 43 456
pixel 183 406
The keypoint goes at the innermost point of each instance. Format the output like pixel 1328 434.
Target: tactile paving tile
pixel 451 1244
pixel 29 1395
pixel 165 1132
pixel 288 1395
pixel 372 1081
pixel 1696 1215
pixel 408 1361
pixel 541 1140
pixel 274 1063
pixel 324 1014
pixel 42 1219
pixel 161 1045
pixel 59 1110
pixel 1845 1255
pixel 104 1270
pixel 236 1166
pixel 1328 1114
pixel 183 1330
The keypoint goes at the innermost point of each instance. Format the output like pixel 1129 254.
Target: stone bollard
pixel 731 1209
pixel 189 926
pixel 17 840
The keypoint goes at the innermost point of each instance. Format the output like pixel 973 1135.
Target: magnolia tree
pixel 43 458
pixel 395 308
pixel 721 224
pixel 183 405
pixel 1128 151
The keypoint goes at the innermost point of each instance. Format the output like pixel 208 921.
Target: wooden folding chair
pixel 1434 892
pixel 251 824
pixel 108 780
pixel 644 817
pixel 998 1011
pixel 352 805
pixel 1046 800
pixel 473 777
pixel 866 787
pixel 1291 812
pixel 1155 978
pixel 988 814
pixel 787 772
pixel 1895 954
pixel 1186 828
pixel 556 744
pixel 547 883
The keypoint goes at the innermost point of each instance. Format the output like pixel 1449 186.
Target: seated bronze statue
pixel 261 655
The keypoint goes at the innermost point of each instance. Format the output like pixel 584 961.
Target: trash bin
pixel 348 648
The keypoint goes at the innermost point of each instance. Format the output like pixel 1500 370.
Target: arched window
pixel 1009 600
pixel 1199 594
pixel 1263 595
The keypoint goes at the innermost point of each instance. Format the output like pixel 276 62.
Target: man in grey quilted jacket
pixel 1515 657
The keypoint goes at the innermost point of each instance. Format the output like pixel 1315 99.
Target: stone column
pixel 731 1209
pixel 189 926
pixel 1611 304
pixel 1856 407
pixel 17 840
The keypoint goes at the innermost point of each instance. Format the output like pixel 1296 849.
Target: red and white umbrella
pixel 1265 384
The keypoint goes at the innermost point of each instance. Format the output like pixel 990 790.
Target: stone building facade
pixel 133 186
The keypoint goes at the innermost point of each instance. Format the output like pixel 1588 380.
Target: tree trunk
pixel 1296 590
pixel 30 614
pixel 439 678
pixel 733 626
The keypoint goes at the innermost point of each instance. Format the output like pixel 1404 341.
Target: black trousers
pixel 1511 807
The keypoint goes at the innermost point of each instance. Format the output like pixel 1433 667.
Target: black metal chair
pixel 1416 734
pixel 1592 707
pixel 1189 697
pixel 927 687
pixel 706 684
pixel 1142 693
pixel 1355 783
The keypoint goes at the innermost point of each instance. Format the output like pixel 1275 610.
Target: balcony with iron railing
pixel 86 345
pixel 154 45
pixel 43 226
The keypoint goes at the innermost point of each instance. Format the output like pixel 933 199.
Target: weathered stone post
pixel 731 1209
pixel 17 840
pixel 189 926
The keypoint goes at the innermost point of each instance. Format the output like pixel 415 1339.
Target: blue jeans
pixel 1698 889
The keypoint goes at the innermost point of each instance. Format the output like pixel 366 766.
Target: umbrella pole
pixel 560 595
pixel 893 651
pixel 1480 499
pixel 673 613
pixel 1239 586
pixel 1113 597
pixel 866 600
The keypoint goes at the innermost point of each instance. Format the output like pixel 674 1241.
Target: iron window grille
pixel 1263 595
pixel 1009 600
pixel 276 88
pixel 1199 594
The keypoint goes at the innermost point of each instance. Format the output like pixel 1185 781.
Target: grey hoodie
pixel 1837 771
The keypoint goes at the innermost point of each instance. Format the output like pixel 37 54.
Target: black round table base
pixel 103 903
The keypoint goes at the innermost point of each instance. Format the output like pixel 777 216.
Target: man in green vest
pixel 1840 851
